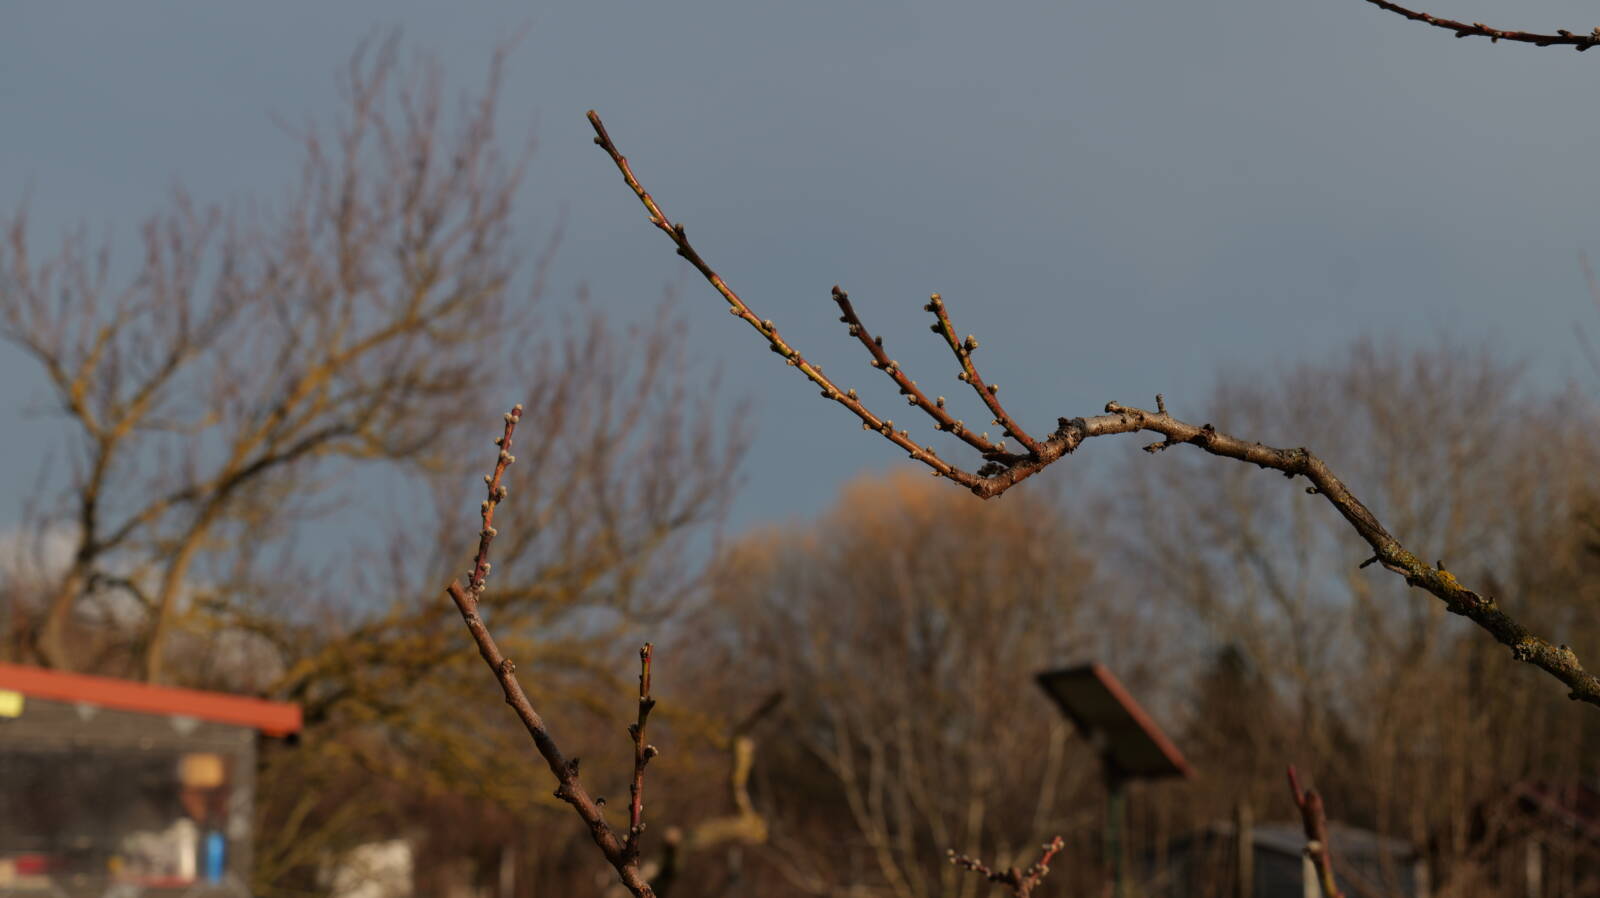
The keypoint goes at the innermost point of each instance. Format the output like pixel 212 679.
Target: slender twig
pixel 1005 471
pixel 1020 882
pixel 1315 821
pixel 1579 42
pixel 775 342
pixel 642 753
pixel 622 856
pixel 908 387
pixel 963 350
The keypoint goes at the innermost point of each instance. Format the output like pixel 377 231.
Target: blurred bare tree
pixel 212 387
pixel 1403 712
pixel 904 627
pixel 272 413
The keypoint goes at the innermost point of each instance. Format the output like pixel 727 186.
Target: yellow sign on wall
pixel 10 703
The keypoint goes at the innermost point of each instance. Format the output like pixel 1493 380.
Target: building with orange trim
pixel 115 788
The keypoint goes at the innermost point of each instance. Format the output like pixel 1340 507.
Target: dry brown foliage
pixel 910 724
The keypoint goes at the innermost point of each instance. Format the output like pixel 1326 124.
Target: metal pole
pixel 1116 831
pixel 1244 846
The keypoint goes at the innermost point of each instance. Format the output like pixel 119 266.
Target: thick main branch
pixel 1579 42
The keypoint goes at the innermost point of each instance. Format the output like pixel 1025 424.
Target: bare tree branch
pixel 1003 471
pixel 1579 42
pixel 624 856
pixel 1020 882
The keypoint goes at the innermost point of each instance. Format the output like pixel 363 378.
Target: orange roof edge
pixel 271 718
pixel 1143 719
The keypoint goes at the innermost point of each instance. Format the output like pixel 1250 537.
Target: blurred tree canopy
pixel 905 625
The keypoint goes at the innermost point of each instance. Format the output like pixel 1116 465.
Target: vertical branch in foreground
pixel 1315 820
pixel 1020 882
pixel 642 753
pixel 622 856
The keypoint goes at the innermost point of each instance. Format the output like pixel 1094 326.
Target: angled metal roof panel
pixel 1106 714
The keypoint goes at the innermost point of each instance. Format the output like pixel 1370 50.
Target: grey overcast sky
pixel 1118 198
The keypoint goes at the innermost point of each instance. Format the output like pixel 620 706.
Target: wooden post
pixel 1533 868
pixel 1245 850
pixel 508 871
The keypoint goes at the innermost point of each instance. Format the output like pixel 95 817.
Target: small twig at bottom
pixel 1020 882
pixel 1315 821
